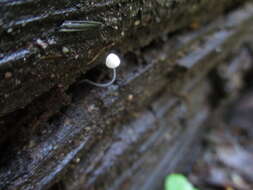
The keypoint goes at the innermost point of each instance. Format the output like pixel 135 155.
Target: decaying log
pixel 179 62
pixel 32 60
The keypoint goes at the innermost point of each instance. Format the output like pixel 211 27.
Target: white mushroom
pixel 112 61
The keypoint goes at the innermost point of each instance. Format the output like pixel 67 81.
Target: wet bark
pixel 180 61
pixel 33 59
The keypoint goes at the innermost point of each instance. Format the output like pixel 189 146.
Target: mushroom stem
pixel 102 84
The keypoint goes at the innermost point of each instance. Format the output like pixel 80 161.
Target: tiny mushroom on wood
pixel 112 62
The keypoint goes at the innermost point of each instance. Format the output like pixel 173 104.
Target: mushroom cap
pixel 112 61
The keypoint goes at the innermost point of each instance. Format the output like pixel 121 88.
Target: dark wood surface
pixel 130 135
pixel 29 69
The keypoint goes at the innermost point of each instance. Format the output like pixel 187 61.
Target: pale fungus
pixel 112 62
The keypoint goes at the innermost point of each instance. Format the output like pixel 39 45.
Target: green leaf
pixel 178 182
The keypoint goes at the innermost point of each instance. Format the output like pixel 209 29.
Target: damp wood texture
pixel 180 61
